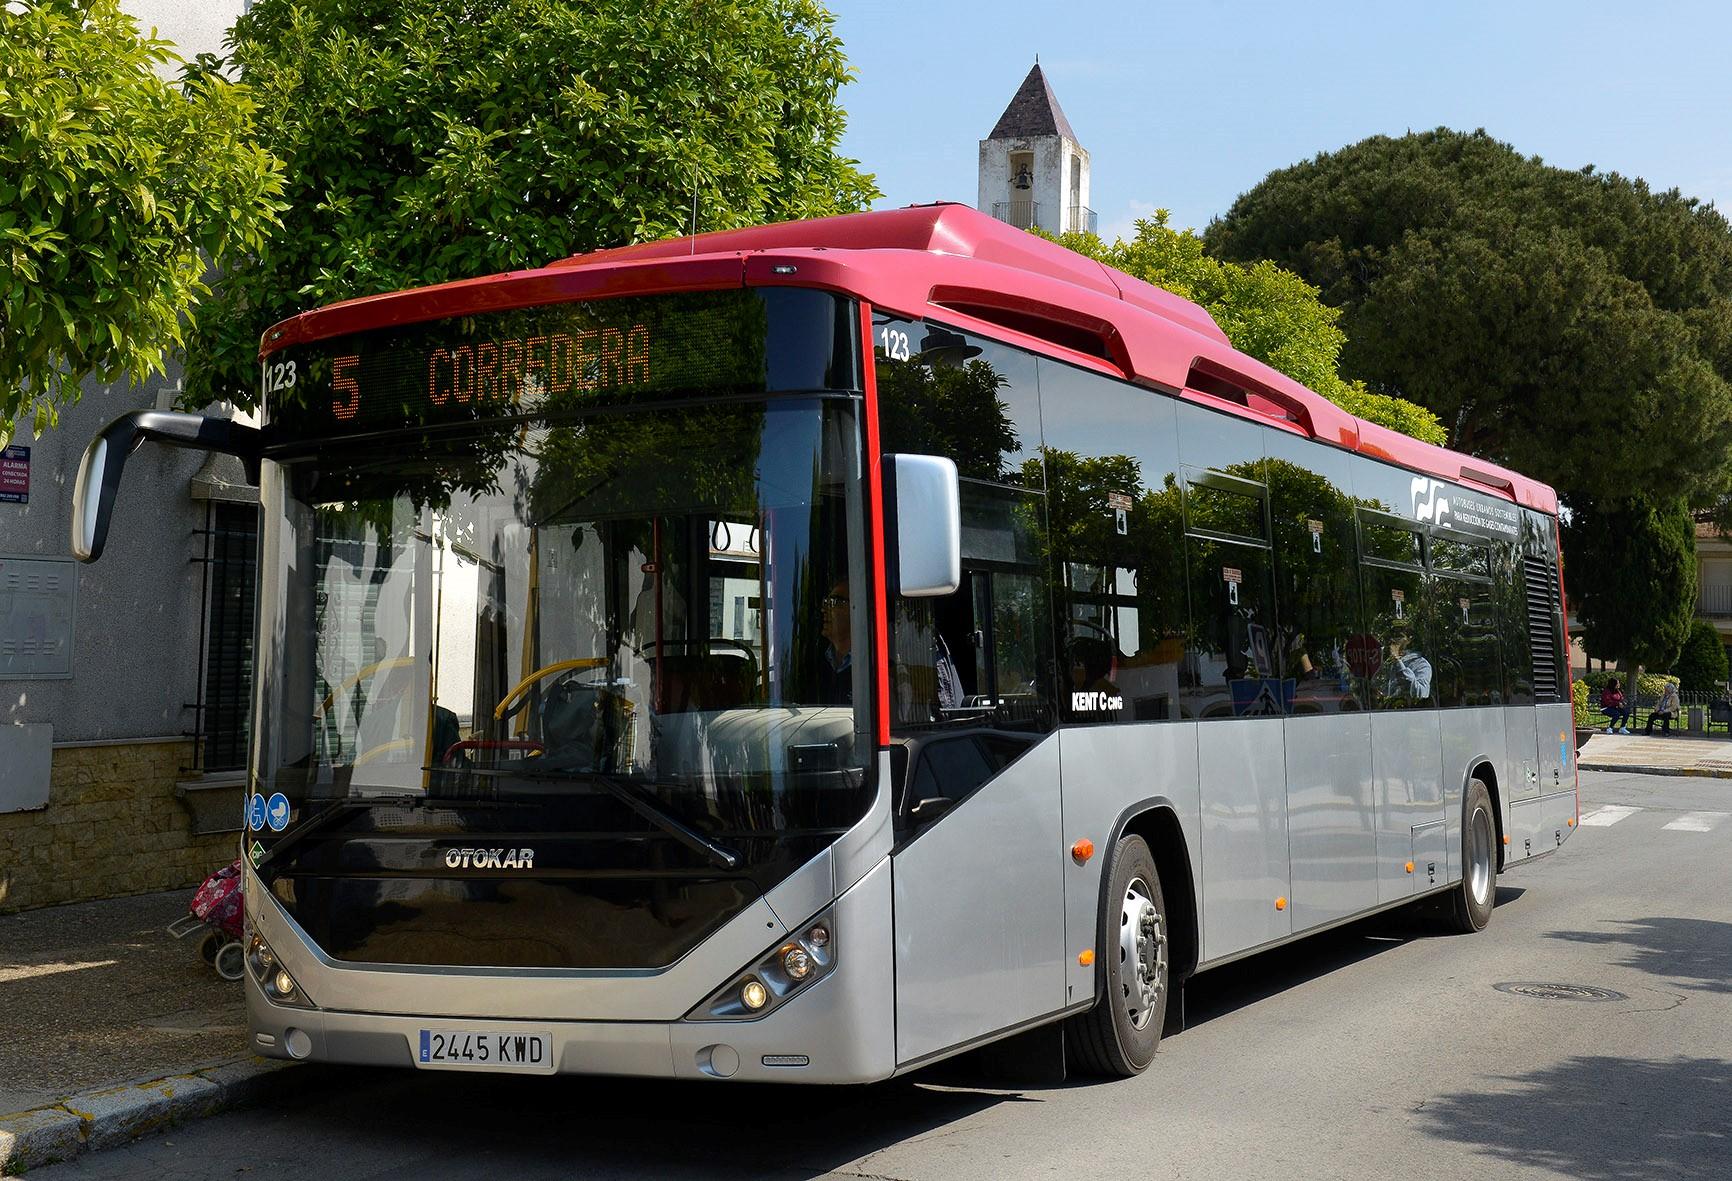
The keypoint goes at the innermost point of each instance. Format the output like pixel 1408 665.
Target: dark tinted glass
pixel 1394 654
pixel 1467 669
pixel 1231 667
pixel 1119 576
pixel 972 673
pixel 1457 556
pixel 1386 541
pixel 1223 506
pixel 1316 575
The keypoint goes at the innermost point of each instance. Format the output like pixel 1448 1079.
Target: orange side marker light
pixel 1081 852
pixel 1086 956
pixel 1410 867
pixel 1280 904
pixel 1506 840
pixel 1571 822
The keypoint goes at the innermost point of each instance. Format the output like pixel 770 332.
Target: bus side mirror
pixel 104 460
pixel 928 498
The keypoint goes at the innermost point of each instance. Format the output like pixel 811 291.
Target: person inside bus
pixel 1406 675
pixel 836 667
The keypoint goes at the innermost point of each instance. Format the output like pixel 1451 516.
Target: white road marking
pixel 1610 814
pixel 1696 822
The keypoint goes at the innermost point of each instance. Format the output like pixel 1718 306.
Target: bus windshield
pixel 655 600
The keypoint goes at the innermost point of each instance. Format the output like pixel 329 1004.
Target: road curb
pixel 1638 769
pixel 106 1116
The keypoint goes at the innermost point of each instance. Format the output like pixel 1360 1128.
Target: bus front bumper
pixel 840 1029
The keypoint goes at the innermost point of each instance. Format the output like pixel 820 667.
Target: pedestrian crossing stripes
pixel 1696 822
pixel 1609 814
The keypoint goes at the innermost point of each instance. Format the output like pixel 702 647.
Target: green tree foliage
pixel 1637 589
pixel 430 140
pixel 1575 325
pixel 1702 664
pixel 1268 312
pixel 116 190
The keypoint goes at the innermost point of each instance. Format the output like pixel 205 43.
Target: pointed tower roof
pixel 1032 111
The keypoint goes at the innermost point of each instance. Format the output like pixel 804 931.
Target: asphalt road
pixel 1370 1052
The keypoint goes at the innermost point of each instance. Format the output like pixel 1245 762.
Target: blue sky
pixel 1185 106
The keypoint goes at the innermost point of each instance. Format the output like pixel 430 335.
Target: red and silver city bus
pixel 808 652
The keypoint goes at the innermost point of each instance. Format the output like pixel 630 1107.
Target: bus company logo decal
pixel 1093 700
pixel 490 858
pixel 1429 503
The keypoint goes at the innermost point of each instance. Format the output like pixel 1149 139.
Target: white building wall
pixel 195 26
pixel 1051 168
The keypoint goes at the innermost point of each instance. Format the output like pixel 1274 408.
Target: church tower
pixel 1032 170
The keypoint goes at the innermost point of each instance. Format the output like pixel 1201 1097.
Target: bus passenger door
pixel 977 874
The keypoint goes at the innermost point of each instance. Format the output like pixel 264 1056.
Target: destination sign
pixel 533 361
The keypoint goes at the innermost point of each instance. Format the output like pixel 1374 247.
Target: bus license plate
pixel 523 1051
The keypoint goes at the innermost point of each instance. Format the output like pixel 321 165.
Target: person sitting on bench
pixel 1665 710
pixel 1612 705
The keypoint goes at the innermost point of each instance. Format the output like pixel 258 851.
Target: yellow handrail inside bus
pixel 373 669
pixel 560 666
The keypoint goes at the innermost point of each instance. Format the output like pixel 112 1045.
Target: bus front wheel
pixel 1118 1036
pixel 1471 901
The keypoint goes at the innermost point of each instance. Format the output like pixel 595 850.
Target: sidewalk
pixel 108 1027
pixel 1677 755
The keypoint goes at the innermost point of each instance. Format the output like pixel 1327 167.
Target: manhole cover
pixel 1558 992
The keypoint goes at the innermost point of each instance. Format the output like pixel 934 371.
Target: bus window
pixel 1118 570
pixel 1232 671
pixel 1316 584
pixel 1467 669
pixel 971 682
pixel 1395 652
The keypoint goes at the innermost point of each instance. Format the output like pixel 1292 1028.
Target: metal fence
pixel 1080 219
pixel 1710 710
pixel 1714 601
pixel 1024 215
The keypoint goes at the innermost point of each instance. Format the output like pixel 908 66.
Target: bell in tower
pixel 1032 170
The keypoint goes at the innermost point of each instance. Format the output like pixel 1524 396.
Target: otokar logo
pixel 490 858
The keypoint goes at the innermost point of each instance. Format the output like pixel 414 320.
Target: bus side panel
pixel 1242 774
pixel 1469 735
pixel 979 910
pixel 1523 783
pixel 1406 754
pixel 1556 740
pixel 1106 770
pixel 1331 819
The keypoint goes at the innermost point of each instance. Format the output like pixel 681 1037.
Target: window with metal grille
pixel 226 702
pixel 1541 588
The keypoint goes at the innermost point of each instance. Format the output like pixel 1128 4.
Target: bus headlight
pixel 272 978
pixel 790 966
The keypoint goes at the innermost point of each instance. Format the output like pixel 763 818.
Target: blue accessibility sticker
pixel 256 812
pixel 277 812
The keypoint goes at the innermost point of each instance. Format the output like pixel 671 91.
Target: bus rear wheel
pixel 1471 901
pixel 1118 1036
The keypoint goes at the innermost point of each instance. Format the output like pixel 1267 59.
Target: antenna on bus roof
pixel 694 206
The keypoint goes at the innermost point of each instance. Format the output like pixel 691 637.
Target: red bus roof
pixel 955 264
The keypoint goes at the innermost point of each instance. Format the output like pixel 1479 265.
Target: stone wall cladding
pixel 112 826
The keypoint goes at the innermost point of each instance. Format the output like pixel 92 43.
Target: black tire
pixel 1117 1037
pixel 1471 900
pixel 207 948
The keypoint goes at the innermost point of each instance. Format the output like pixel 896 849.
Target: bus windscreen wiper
pixel 639 802
pixel 323 819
